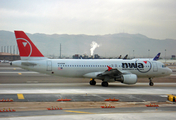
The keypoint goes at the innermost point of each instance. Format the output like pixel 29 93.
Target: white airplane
pixel 107 70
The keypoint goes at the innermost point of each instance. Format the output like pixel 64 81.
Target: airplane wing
pixel 107 75
pixel 112 75
pixel 110 72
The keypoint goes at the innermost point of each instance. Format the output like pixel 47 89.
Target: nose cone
pixel 169 71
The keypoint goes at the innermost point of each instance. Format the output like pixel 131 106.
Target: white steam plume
pixel 93 46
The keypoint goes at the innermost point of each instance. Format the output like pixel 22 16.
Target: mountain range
pixel 111 45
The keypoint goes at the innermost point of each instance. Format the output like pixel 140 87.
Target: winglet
pixel 157 57
pixel 109 68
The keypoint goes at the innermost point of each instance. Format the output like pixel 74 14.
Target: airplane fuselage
pixel 80 67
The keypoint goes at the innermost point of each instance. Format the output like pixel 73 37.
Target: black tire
pixel 104 84
pixel 151 83
pixel 92 82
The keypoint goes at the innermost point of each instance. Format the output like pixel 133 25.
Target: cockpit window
pixel 163 66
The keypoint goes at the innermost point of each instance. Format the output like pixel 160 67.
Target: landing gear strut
pixel 92 82
pixel 150 82
pixel 104 84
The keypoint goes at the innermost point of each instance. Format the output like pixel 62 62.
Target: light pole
pixel 133 54
pixel 148 53
pixel 165 56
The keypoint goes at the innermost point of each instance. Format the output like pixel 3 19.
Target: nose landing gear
pixel 92 82
pixel 150 82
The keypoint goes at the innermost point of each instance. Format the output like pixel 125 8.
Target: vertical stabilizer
pixel 157 57
pixel 26 47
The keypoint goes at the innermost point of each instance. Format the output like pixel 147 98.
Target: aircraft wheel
pixel 92 82
pixel 104 84
pixel 151 83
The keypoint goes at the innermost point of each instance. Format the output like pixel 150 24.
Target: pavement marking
pixel 14 68
pixel 77 111
pixel 20 96
pixel 19 73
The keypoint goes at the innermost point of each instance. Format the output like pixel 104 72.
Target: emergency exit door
pixel 155 67
pixel 49 65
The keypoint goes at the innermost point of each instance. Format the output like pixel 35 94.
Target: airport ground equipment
pixel 171 98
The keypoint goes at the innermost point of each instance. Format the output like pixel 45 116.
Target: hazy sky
pixel 153 18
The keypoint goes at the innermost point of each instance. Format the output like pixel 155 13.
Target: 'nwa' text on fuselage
pixel 132 65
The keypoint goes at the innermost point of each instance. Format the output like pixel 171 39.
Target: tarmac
pixel 33 92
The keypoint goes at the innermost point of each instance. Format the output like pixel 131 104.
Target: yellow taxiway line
pixel 78 111
pixel 20 96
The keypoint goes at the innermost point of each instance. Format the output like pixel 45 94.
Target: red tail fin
pixel 26 46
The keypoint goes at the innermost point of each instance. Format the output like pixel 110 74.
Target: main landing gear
pixel 104 84
pixel 150 82
pixel 92 82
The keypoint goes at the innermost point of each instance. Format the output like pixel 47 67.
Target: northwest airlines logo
pixel 141 66
pixel 24 43
pixel 25 47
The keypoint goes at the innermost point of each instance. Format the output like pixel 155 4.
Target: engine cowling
pixel 129 79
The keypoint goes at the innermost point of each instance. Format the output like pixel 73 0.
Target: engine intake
pixel 127 79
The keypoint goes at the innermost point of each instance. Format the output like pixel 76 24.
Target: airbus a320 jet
pixel 107 70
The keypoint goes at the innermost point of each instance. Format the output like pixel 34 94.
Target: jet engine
pixel 127 79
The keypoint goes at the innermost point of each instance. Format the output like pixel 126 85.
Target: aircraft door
pixel 49 65
pixel 155 67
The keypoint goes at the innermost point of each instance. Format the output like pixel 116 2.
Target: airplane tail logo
pixel 26 46
pixel 157 57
